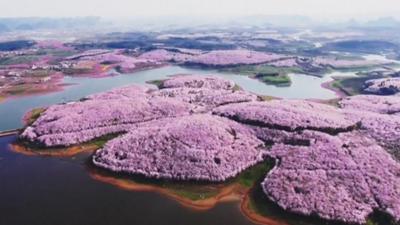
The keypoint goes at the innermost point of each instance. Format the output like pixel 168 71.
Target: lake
pixel 12 110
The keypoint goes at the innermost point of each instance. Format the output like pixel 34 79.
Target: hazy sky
pixel 132 8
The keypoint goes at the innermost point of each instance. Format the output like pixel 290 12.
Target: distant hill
pixel 383 22
pixel 362 46
pixel 15 45
pixel 34 23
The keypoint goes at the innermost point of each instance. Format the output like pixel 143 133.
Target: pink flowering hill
pixel 100 62
pixel 329 161
pixel 118 110
pixel 204 99
pixel 288 115
pixel 79 122
pixel 214 58
pixel 372 103
pixel 197 147
pixel 195 81
pixel 344 177
pixel 162 55
pixel 128 92
pixel 124 63
pixel 379 116
pixel 234 57
pixel 338 163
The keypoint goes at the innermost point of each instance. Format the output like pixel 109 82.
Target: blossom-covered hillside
pixel 197 147
pixel 214 58
pixel 339 163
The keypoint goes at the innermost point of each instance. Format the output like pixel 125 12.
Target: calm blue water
pixel 11 111
pixel 37 190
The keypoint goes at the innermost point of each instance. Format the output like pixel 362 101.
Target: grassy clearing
pixel 352 85
pixel 256 173
pixel 76 71
pixel 34 114
pixel 265 73
pixel 278 80
pixel 16 90
pixel 19 60
pixel 101 141
pixel 247 179
pixel 157 83
pixel 237 88
pixel 203 190
pixel 266 98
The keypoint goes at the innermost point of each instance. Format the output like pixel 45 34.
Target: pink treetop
pixel 213 58
pixel 197 147
pixel 379 116
pixel 162 55
pixel 335 177
pixel 131 91
pixel 289 115
pixel 198 81
pixel 372 103
pixel 206 99
pixel 232 57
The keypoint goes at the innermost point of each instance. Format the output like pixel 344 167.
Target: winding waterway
pixel 12 110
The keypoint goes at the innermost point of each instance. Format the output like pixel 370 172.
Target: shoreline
pixel 338 92
pixel 234 192
pixel 207 199
pixel 58 85
pixel 229 193
pixel 62 152
pixel 54 87
pixel 255 217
